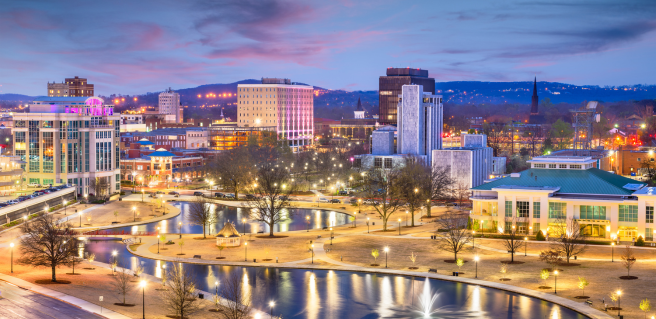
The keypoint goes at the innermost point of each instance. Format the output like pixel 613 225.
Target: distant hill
pixel 16 97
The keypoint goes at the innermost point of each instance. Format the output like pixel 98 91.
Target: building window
pixel 522 209
pixel 649 214
pixel 388 163
pixel 575 166
pixel 562 166
pixel 508 228
pixel 536 228
pixel 539 165
pixel 649 234
pixel 594 230
pixel 557 210
pixel 536 209
pixel 508 208
pixel 552 165
pixel 628 213
pixel 378 162
pixel 592 212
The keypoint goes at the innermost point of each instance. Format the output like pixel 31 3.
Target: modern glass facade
pixel 389 89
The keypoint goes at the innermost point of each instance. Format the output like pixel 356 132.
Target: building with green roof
pixel 556 190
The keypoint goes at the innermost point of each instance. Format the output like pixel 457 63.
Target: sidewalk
pixel 85 305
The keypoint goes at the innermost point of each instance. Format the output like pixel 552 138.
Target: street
pixel 19 303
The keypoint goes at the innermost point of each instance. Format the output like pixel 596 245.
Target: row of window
pixel 558 210
pixel 563 166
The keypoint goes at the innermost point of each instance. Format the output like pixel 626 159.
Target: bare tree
pixel 456 235
pixel 234 168
pixel 381 189
pixel 181 296
pixel 567 238
pixel 513 242
pixel 73 261
pixel 121 284
pixel 414 185
pixel 271 204
pixel 439 186
pixel 239 299
pixel 460 192
pixel 552 257
pixel 201 213
pixel 628 259
pixel 46 243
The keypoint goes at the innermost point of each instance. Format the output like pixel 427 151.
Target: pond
pixel 315 294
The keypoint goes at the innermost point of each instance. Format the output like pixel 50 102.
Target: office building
pixel 559 189
pixel 71 87
pixel 389 90
pixel 469 165
pixel 11 175
pixel 287 106
pixel 359 128
pixel 419 131
pixel 169 104
pixel 72 140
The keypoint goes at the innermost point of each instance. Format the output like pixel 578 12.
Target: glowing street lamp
pixel 612 252
pixel 399 226
pixel 312 253
pixel 307 220
pixel 525 245
pixel 246 251
pixel 619 302
pixel 476 259
pixel 555 281
pixel 243 222
pixel 367 225
pixel 180 230
pixel 134 213
pixel 271 304
pixel 65 207
pixel 386 251
pixel 142 284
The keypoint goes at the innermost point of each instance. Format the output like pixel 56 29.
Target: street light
pixel 525 245
pixel 355 217
pixel 312 253
pixel 386 251
pixel 113 259
pixel 619 302
pixel 307 220
pixel 243 222
pixel 143 296
pixel 134 213
pixel 476 259
pixel 399 226
pixel 612 252
pixel 271 304
pixel 85 198
pixel 367 225
pixel 81 219
pixel 180 229
pixel 158 239
pixel 12 257
pixel 246 251
pixel 134 181
pixel 216 287
pixel 65 207
pixel 555 281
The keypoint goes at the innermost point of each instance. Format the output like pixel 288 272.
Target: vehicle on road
pixel 335 201
pixel 323 200
pixel 283 197
pixel 219 195
pixel 175 194
pixel 198 193
pixel 353 201
pixel 33 185
pixel 231 196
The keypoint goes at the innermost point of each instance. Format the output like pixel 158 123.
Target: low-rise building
pixel 557 190
pixel 469 165
pixel 11 175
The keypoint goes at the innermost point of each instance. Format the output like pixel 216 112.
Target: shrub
pixel 540 236
pixel 640 241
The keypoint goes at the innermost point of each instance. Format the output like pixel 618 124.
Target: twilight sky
pixel 136 46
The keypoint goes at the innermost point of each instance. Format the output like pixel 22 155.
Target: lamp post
pixel 65 207
pixel 81 219
pixel 619 302
pixel 406 218
pixel 355 217
pixel 180 230
pixel 158 239
pixel 12 257
pixel 142 195
pixel 271 304
pixel 359 202
pixel 331 236
pixel 307 221
pixel 243 222
pixel 399 226
pixel 134 213
pixel 367 225
pixel 134 181
pixel 555 281
pixel 612 252
pixel 245 251
pixel 312 253
pixel 85 198
pixel 525 245
pixel 143 297
pixel 476 259
pixel 113 259
pixel 386 251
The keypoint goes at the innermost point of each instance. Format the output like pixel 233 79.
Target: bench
pixel 197 256
pixel 589 302
pixel 318 236
pixel 432 270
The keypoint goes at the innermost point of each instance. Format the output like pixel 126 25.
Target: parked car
pixel 175 194
pixel 153 195
pixel 353 201
pixel 33 185
pixel 335 201
pixel 159 192
pixel 198 193
pixel 343 192
pixel 323 200
pixel 219 195
pixel 250 196
pixel 283 197
pixel 232 196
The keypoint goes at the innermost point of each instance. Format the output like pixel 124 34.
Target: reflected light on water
pixel 333 297
pixel 400 284
pixel 158 269
pixel 332 219
pixel 134 229
pixel 246 288
pixel 386 300
pixel 313 301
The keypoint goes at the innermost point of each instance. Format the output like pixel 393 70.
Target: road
pixel 18 303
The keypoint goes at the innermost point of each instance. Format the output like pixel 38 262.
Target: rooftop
pixel 589 181
pixel 61 99
pixel 161 153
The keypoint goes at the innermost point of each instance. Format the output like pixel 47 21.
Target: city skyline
pixel 132 48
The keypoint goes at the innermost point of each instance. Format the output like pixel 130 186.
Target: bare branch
pixel 456 235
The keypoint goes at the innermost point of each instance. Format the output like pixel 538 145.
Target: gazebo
pixel 228 236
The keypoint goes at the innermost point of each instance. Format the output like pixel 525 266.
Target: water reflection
pixel 296 221
pixel 319 294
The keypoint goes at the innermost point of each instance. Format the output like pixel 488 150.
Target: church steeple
pixel 359 110
pixel 534 98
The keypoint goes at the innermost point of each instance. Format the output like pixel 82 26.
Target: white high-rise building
pixel 169 103
pixel 70 140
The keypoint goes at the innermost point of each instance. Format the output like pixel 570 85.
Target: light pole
pixel 612 252
pixel 406 218
pixel 619 302
pixel 355 217
pixel 312 253
pixel 158 239
pixel 331 236
pixel 216 287
pixel 65 207
pixel 367 225
pixel 525 245
pixel 143 297
pixel 113 259
pixel 386 251
pixel 180 229
pixel 142 194
pixel 134 181
pixel 85 198
pixel 243 222
pixel 399 226
pixel 271 304
pixel 307 220
pixel 12 257
pixel 359 202
pixel 246 251
pixel 476 259
pixel 555 281
pixel 81 219
pixel 134 213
